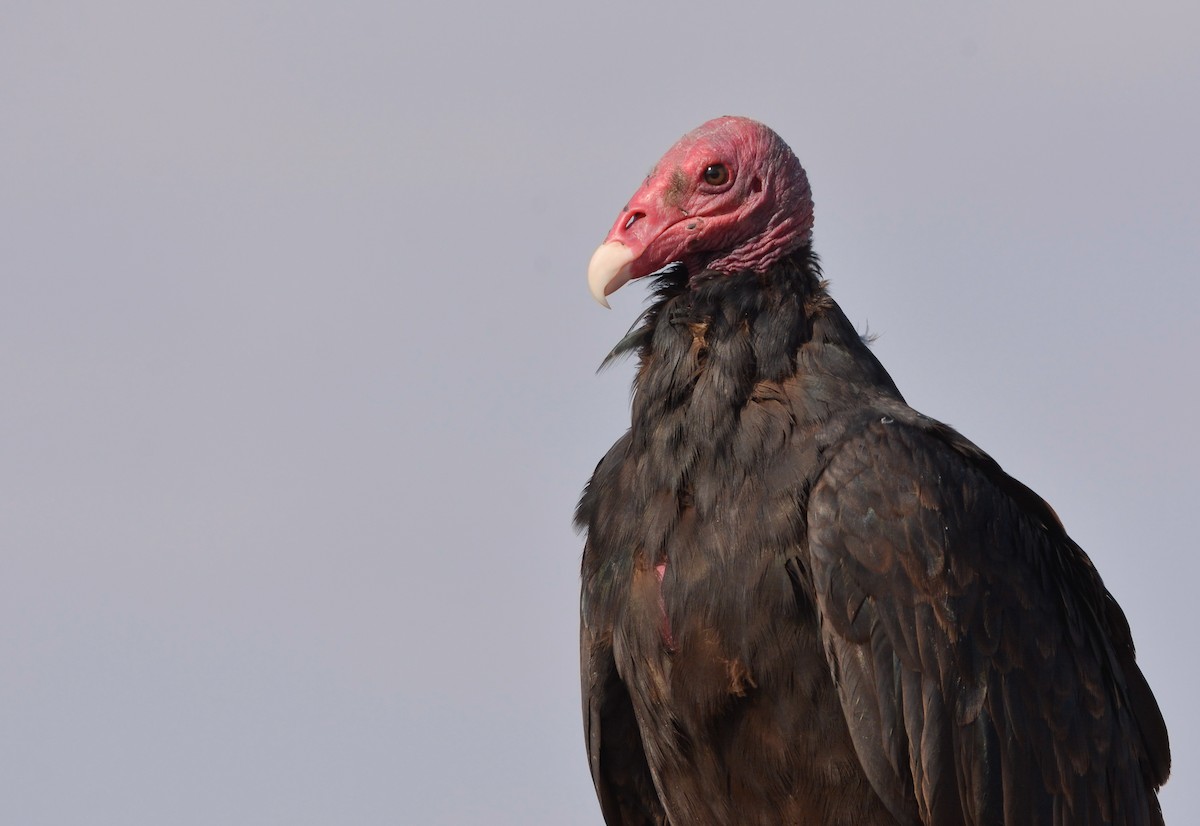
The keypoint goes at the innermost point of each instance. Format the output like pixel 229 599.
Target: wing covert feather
pixel 985 676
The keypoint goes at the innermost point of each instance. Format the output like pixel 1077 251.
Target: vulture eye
pixel 716 174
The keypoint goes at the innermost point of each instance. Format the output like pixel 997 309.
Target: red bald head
pixel 730 196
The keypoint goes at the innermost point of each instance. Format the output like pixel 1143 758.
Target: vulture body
pixel 803 602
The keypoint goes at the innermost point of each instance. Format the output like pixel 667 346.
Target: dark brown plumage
pixel 803 601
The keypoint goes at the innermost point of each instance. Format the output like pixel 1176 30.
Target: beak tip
pixel 608 270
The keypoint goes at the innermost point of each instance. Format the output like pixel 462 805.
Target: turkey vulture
pixel 804 602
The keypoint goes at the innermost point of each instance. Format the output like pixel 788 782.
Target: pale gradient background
pixel 298 361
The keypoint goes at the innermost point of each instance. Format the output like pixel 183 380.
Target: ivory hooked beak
pixel 608 270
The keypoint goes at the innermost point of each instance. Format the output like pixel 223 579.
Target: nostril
pixel 756 185
pixel 633 218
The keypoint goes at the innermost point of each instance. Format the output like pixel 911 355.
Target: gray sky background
pixel 298 360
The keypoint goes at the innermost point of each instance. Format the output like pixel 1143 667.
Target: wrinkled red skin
pixel 763 211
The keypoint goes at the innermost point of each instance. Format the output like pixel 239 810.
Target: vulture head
pixel 730 196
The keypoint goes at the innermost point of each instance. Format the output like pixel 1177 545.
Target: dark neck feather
pixel 706 345
pixel 722 333
pixel 793 289
pixel 730 368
